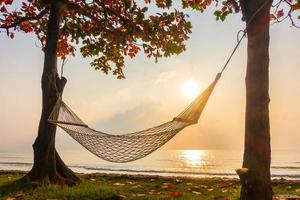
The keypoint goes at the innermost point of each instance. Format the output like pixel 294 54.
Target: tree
pixel 108 30
pixel 256 179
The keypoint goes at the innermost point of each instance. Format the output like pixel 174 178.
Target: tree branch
pixel 23 19
pixel 87 14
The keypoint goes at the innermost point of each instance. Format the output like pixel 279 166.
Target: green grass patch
pixel 99 186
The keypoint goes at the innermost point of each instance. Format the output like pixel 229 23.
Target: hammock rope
pixel 133 146
pixel 130 146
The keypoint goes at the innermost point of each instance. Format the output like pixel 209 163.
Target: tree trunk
pixel 256 183
pixel 48 167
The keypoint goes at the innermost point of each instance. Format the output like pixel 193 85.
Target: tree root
pixel 61 175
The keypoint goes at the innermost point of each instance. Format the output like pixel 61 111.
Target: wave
pixel 152 171
pixel 16 163
pixel 166 172
pixel 286 167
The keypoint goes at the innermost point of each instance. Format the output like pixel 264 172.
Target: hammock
pixel 131 146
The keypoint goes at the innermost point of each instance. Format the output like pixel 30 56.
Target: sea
pixel 179 163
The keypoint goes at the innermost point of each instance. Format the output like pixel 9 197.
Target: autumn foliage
pixel 110 30
pixel 106 30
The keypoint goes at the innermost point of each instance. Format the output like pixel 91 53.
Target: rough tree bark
pixel 256 183
pixel 48 167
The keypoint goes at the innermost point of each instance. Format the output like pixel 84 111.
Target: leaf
pixel 176 194
pixel 296 6
pixel 166 185
pixel 195 192
pixel 194 188
pixel 279 13
pixel 119 184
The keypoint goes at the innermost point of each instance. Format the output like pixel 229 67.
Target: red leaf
pixel 3 9
pixel 176 194
pixel 8 2
pixel 279 13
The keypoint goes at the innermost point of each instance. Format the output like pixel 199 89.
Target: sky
pixel 151 93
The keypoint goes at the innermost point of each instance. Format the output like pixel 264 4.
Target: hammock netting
pixel 130 146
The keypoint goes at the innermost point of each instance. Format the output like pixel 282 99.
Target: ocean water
pixel 191 163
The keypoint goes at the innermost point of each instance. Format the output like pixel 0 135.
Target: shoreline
pixel 149 176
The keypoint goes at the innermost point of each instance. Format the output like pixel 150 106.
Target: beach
pixel 121 186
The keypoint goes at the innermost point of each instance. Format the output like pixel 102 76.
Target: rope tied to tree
pixel 132 146
pixel 244 34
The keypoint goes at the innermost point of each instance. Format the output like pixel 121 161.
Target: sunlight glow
pixel 193 158
pixel 190 89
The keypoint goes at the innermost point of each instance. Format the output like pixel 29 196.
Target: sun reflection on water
pixel 193 158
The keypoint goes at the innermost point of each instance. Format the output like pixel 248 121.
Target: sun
pixel 190 89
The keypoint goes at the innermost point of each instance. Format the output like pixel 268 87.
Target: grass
pixel 100 186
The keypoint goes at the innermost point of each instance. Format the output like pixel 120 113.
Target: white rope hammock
pixel 130 146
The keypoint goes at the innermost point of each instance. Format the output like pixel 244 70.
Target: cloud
pixel 137 118
pixel 165 76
